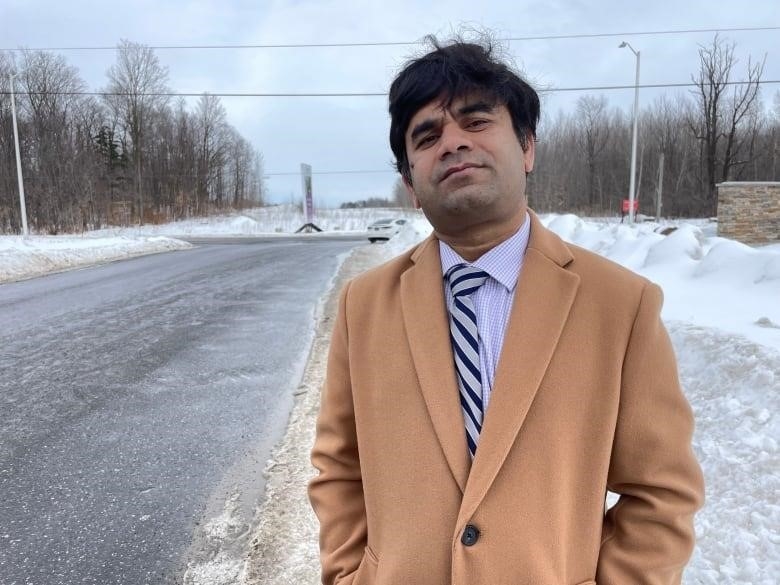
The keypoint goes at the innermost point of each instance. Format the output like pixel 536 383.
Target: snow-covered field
pixel 722 307
pixel 35 255
pixel 277 219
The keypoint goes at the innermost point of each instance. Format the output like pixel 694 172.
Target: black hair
pixel 453 71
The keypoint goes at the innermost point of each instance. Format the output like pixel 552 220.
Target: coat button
pixel 470 535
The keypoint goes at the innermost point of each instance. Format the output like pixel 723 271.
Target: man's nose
pixel 454 139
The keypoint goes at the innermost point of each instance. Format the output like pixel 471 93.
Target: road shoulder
pixel 284 548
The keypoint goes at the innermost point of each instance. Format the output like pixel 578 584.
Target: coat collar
pixel 428 331
pixel 541 306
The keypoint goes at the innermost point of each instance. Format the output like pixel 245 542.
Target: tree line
pixel 135 154
pixel 376 203
pixel 719 131
pixel 132 155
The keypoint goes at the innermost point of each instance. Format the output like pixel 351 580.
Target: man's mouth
pixel 456 169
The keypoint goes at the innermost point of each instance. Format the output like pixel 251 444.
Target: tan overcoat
pixel 586 399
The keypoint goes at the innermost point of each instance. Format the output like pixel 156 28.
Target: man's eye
pixel 476 123
pixel 427 141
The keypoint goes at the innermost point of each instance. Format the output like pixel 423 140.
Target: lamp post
pixel 632 188
pixel 22 205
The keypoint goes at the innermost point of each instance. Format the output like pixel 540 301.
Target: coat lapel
pixel 427 327
pixel 543 298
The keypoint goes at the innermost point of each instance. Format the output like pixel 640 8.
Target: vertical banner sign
pixel 309 204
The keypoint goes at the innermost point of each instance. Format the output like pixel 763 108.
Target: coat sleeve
pixel 648 536
pixel 336 493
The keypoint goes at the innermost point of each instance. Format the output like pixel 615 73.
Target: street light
pixel 632 188
pixel 18 155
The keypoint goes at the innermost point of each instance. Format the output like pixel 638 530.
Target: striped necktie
pixel 465 280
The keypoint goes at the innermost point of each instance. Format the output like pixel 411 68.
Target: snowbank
pixel 37 255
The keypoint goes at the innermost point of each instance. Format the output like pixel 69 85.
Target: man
pixel 486 388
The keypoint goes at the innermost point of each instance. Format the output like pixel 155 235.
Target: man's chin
pixel 468 197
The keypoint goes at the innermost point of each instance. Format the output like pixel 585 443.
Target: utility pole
pixel 22 204
pixel 632 188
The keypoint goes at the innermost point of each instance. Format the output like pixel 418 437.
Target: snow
pixel 35 255
pixel 280 220
pixel 734 387
pixel 223 569
pixel 722 308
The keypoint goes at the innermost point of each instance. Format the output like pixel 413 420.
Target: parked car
pixel 384 229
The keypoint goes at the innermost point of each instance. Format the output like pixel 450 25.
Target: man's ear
pixel 529 153
pixel 410 191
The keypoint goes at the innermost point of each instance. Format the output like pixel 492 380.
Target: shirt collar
pixel 502 263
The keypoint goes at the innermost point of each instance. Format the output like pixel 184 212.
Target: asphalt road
pixel 130 392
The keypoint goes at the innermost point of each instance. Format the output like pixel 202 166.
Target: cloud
pixel 350 133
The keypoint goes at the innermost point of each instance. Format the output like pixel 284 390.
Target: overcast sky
pixel 350 134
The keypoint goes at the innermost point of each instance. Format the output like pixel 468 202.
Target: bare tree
pixel 773 142
pixel 665 131
pixel 550 185
pixel 138 85
pixel 257 180
pixel 593 126
pixel 722 112
pixel 211 127
pixel 183 156
pixel 80 154
pixel 56 188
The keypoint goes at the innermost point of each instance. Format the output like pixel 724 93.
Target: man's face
pixel 467 165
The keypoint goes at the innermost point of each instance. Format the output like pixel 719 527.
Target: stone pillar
pixel 749 212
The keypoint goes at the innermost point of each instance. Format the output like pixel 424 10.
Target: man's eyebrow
pixel 422 127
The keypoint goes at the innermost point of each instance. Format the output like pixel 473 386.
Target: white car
pixel 384 229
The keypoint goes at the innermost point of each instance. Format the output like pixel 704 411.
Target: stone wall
pixel 749 212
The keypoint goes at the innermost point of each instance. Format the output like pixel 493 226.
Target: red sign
pixel 626 205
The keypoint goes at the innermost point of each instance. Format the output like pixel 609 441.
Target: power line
pixel 297 173
pixel 644 33
pixel 264 175
pixel 407 43
pixel 651 86
pixel 364 94
pixel 193 94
